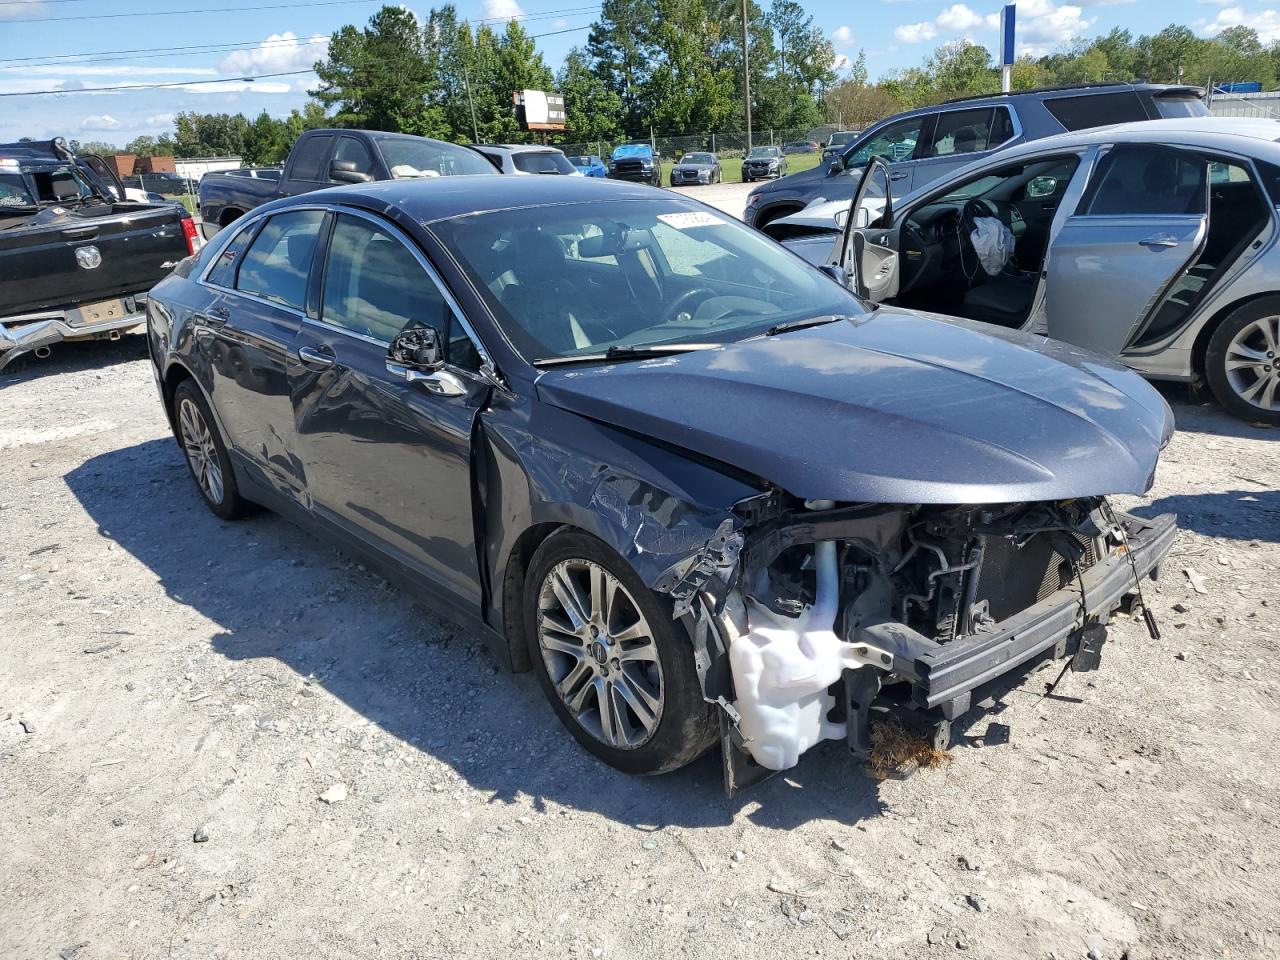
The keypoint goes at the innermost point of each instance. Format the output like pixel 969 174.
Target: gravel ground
pixel 227 740
pixel 729 197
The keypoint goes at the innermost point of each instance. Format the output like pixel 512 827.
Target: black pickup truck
pixel 76 257
pixel 331 158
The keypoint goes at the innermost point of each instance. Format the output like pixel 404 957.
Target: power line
pixel 155 86
pixel 53 58
pixel 183 13
pixel 299 43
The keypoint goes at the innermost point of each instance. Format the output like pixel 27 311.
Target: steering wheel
pixel 680 304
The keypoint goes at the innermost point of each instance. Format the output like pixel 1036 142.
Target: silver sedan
pixel 1152 242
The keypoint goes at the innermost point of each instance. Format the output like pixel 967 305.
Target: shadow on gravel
pixel 76 356
pixel 1208 418
pixel 274 592
pixel 1236 514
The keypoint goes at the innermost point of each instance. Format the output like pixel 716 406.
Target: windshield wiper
pixel 626 353
pixel 778 328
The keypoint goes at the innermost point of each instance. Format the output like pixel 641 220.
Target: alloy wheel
pixel 1253 363
pixel 600 653
pixel 197 444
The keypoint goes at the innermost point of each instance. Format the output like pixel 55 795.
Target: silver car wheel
pixel 197 444
pixel 600 653
pixel 1253 363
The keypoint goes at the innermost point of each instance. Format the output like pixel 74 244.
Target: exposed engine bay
pixel 839 611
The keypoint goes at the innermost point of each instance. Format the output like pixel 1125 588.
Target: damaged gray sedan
pixel 680 474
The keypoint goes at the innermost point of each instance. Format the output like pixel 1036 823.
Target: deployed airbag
pixel 993 242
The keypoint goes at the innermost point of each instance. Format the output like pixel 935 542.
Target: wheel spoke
pixel 1269 395
pixel 575 686
pixel 605 706
pixel 1245 354
pixel 1250 393
pixel 637 631
pixel 599 604
pixel 559 642
pixel 570 601
pixel 643 704
pixel 1269 327
pixel 644 652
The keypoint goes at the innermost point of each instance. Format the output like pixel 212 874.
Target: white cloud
pixel 157 120
pixel 559 23
pixel 77 70
pixel 915 32
pixel 1266 22
pixel 279 53
pixel 103 121
pixel 239 86
pixel 841 62
pixel 842 37
pixel 1216 3
pixel 27 10
pixel 958 17
pixel 502 10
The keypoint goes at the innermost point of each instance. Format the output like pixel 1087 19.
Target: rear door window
pixel 351 150
pixel 224 271
pixel 1140 180
pixel 963 131
pixel 311 154
pixel 1096 110
pixel 278 262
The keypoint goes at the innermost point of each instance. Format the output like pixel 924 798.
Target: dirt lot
pixel 180 697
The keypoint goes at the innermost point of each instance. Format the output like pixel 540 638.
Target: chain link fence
pixel 727 145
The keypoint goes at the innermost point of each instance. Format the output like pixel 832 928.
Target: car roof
pixel 1085 89
pixel 442 198
pixel 1258 136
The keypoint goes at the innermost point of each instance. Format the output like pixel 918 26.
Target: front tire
pixel 610 658
pixel 205 453
pixel 1242 362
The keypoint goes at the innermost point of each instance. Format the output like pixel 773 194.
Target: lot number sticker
pixel 686 221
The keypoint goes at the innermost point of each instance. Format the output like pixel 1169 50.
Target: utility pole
pixel 746 73
pixel 466 78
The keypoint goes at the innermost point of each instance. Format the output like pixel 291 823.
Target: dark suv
pixel 922 145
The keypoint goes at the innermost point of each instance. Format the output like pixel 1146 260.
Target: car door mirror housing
pixel 344 171
pixel 418 348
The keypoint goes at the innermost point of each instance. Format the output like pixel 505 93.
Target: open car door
pixel 1142 221
pixel 868 264
pixel 104 173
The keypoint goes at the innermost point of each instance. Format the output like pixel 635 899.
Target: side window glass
pixel 279 261
pixel 1141 180
pixel 1096 110
pixel 224 271
pixel 461 350
pixel 962 131
pixel 351 150
pixel 374 286
pixel 311 156
pixel 893 144
pixel 1001 127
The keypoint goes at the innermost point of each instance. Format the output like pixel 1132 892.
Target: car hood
pixel 839 186
pixel 893 407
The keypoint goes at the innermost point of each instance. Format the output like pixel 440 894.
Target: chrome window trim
pixel 250 219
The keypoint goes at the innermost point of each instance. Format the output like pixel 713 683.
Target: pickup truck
pixel 329 158
pixel 77 257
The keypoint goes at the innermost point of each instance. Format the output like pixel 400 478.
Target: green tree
pixel 593 111
pixel 620 49
pixel 379 79
pixel 210 134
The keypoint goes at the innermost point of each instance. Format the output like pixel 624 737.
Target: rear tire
pixel 617 670
pixel 1242 362
pixel 205 453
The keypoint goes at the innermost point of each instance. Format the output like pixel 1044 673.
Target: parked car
pixel 77 256
pixel 590 165
pixel 636 162
pixel 519 160
pixel 642 450
pixel 1151 242
pixel 326 158
pixel 836 143
pixel 801 146
pixel 764 163
pixel 924 145
pixel 165 184
pixel 695 168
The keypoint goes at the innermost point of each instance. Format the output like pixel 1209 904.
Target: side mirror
pixel 837 164
pixel 417 348
pixel 842 217
pixel 344 171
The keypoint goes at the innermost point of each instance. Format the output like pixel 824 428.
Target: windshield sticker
pixel 686 221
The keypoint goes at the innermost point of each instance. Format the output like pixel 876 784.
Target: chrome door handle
pixel 897 176
pixel 313 356
pixel 1160 240
pixel 440 382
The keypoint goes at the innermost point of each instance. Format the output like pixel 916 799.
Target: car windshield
pixel 697 158
pixel 632 150
pixel 551 161
pixel 580 278
pixel 411 158
pixel 14 191
pixel 764 151
pixel 580 161
pixel 842 139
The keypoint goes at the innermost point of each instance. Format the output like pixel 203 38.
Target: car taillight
pixel 192 234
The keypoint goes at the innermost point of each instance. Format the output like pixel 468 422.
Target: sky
pixel 72 46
